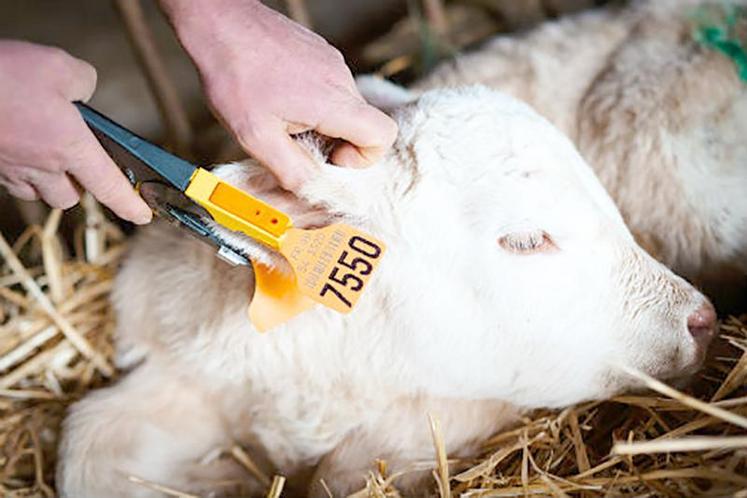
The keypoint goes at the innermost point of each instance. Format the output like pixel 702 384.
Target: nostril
pixel 702 323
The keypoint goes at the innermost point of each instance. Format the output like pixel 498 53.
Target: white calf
pixel 510 282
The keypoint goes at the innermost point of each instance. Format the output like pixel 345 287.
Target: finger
pixel 21 190
pixel 346 154
pixel 368 129
pixel 271 145
pixel 81 79
pixel 96 172
pixel 57 190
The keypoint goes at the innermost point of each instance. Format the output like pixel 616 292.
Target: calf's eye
pixel 527 242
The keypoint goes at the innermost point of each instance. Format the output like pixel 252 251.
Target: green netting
pixel 718 27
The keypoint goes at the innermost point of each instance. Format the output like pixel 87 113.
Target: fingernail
pixel 143 218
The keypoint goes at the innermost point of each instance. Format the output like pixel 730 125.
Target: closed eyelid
pixel 527 242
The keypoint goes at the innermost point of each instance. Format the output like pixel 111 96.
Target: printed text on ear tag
pixel 332 264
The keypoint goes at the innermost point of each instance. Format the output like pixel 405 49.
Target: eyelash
pixel 527 242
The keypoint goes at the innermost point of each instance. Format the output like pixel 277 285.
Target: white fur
pixel 453 323
pixel 661 119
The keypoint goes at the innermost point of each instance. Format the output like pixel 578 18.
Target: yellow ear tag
pixel 276 299
pixel 331 265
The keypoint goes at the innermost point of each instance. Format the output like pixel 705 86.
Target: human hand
pixel 267 77
pixel 44 142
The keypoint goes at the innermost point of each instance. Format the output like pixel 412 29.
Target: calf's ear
pixel 256 180
pixel 356 193
pixel 382 93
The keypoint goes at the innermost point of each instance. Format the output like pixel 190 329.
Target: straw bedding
pixel 55 345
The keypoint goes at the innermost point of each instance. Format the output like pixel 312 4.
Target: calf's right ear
pixel 254 179
pixel 382 93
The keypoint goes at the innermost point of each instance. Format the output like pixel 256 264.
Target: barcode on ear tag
pixel 332 264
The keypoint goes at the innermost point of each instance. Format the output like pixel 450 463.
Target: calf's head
pixel 509 272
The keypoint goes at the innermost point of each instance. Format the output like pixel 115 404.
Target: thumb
pixel 97 173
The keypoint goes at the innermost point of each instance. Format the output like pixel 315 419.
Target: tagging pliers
pixel 185 194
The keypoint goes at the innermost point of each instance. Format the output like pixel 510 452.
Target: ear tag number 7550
pixel 331 265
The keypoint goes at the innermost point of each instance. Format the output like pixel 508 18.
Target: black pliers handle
pixel 160 177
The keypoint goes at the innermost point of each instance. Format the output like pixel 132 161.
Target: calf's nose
pixel 702 324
